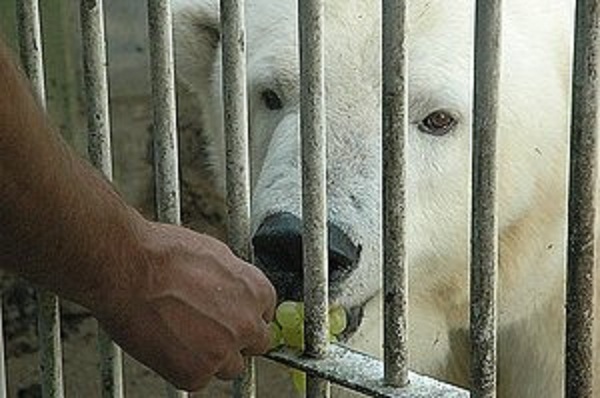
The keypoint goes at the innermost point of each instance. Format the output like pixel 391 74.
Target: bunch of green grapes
pixel 288 330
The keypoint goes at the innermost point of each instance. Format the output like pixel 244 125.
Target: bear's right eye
pixel 272 100
pixel 438 123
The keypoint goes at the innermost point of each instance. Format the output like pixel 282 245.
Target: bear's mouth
pixel 355 316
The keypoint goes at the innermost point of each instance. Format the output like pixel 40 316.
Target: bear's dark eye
pixel 271 100
pixel 438 123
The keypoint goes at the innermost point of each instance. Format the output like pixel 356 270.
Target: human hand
pixel 194 310
pixel 178 301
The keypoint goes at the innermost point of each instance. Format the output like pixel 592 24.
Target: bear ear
pixel 197 37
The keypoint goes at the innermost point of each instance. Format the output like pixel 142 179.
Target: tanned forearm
pixel 59 219
pixel 178 301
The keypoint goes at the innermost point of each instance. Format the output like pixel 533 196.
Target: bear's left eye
pixel 272 100
pixel 438 123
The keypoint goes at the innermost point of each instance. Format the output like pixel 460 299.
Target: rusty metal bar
pixel 30 46
pixel 235 121
pixel 314 179
pixel 96 85
pixel 484 226
pixel 395 123
pixel 99 151
pixel 165 125
pixel 581 259
pixel 166 162
pixel 365 374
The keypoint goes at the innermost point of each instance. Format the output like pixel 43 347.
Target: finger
pixel 260 342
pixel 233 368
pixel 267 294
pixel 271 303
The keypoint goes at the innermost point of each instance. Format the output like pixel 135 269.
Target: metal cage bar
pixel 166 162
pixel 235 122
pixel 363 373
pixel 394 124
pixel 30 46
pixel 484 227
pixel 99 151
pixel 3 387
pixel 325 362
pixel 314 181
pixel 581 259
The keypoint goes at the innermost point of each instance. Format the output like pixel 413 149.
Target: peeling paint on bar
pixel 394 123
pixel 111 366
pixel 99 151
pixel 581 261
pixel 484 228
pixel 166 161
pixel 236 132
pixel 96 85
pixel 30 46
pixel 314 201
pixel 50 345
pixel 166 164
pixel 363 373
pixel 236 125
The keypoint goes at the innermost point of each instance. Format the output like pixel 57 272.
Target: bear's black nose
pixel 278 251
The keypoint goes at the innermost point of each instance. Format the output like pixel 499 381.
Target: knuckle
pixel 217 356
pixel 233 368
pixel 263 343
pixel 259 284
pixel 239 367
pixel 247 328
pixel 265 286
pixel 259 342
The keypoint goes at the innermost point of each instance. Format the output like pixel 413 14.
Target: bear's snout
pixel 278 252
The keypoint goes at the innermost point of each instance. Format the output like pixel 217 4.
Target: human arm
pixel 178 301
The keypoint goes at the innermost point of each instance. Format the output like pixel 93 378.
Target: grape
pixel 299 380
pixel 294 337
pixel 290 317
pixel 337 320
pixel 289 314
pixel 276 336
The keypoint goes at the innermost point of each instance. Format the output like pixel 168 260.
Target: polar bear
pixel 533 137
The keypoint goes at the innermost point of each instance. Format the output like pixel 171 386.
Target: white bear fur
pixel 533 138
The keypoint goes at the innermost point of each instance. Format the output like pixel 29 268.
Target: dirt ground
pixel 202 210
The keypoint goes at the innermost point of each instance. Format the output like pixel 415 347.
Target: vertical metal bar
pixel 30 45
pixel 61 54
pixel 236 133
pixel 394 122
pixel 314 179
pixel 99 150
pixel 165 126
pixel 484 227
pixel 166 163
pixel 581 259
pixel 50 345
pixel 3 390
